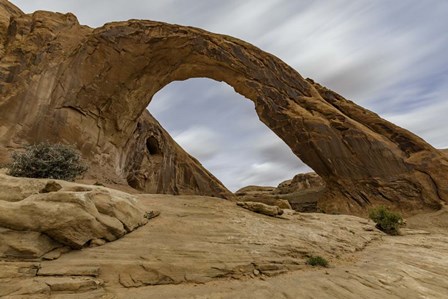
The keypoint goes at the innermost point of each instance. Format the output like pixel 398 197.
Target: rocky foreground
pixel 202 247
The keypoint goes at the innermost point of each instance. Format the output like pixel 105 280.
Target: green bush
pixel 387 221
pixel 317 261
pixel 44 160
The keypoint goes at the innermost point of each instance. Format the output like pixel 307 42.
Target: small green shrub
pixel 317 261
pixel 387 221
pixel 44 160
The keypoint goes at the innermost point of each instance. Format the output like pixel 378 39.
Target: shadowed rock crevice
pixel 91 86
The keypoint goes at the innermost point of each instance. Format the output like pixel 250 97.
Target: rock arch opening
pixel 221 129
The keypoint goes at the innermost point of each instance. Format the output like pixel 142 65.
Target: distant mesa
pixel 61 81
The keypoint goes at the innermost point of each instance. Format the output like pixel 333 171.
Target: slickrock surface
pixel 63 81
pixel 202 247
pixel 409 267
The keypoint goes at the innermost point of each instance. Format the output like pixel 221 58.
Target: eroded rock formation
pixel 301 193
pixel 155 163
pixel 147 159
pixel 38 216
pixel 301 181
pixel 63 81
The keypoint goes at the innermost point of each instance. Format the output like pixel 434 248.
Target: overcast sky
pixel 388 56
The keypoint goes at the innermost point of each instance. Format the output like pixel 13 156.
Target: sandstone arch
pixel 104 79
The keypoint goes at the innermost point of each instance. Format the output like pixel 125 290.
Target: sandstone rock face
pixel 157 164
pixel 33 223
pixel 262 194
pixel 299 182
pixel 63 81
pixel 149 160
pixel 301 193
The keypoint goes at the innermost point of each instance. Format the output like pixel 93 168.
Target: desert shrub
pixel 387 221
pixel 317 261
pixel 44 160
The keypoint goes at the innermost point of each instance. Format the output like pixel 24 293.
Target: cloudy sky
pixel 388 56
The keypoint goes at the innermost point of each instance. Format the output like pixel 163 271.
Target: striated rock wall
pixel 155 163
pixel 30 71
pixel 63 81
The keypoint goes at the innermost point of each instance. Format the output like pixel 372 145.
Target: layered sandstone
pixel 65 82
pixel 148 160
pixel 301 193
pixel 40 216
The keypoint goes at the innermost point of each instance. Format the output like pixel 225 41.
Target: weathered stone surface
pixel 261 208
pixel 157 164
pixel 56 253
pixel 25 244
pixel 51 186
pixel 73 284
pixel 41 222
pixel 90 87
pixel 198 239
pixel 261 194
pixel 299 182
pixel 28 288
pixel 197 243
pixel 300 193
pixel 18 269
pixel 55 270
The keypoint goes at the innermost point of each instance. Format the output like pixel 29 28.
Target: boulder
pixel 261 208
pixel 35 223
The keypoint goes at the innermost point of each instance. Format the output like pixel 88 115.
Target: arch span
pixel 362 157
pixel 108 80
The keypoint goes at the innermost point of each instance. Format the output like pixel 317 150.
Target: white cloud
pixel 201 142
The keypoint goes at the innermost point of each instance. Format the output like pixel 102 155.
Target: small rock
pixel 56 253
pixel 51 186
pixel 97 242
pixel 152 214
pixel 256 272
